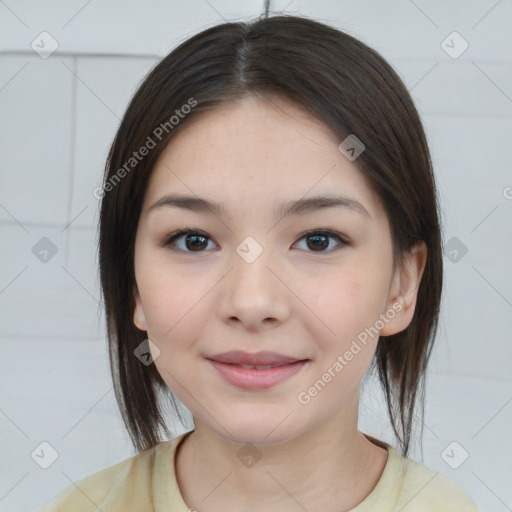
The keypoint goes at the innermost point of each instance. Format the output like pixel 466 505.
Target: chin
pixel 258 438
pixel 263 433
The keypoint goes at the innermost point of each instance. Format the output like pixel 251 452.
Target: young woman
pixel 269 234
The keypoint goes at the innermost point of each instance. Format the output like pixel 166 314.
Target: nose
pixel 253 294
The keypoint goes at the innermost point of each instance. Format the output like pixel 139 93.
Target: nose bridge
pixel 253 292
pixel 251 261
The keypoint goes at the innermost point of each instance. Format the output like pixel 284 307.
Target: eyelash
pixel 170 239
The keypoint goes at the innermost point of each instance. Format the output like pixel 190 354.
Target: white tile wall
pixel 128 28
pixel 97 117
pixel 36 109
pixel 57 120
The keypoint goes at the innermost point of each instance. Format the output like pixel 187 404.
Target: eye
pixel 195 240
pixel 319 239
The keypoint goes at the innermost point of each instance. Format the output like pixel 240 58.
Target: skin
pixel 252 155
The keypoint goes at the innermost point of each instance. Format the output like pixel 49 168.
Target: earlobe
pixel 405 290
pixel 139 318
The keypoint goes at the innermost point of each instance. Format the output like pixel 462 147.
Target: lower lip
pixel 252 379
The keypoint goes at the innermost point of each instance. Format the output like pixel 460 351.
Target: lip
pixel 253 379
pixel 264 358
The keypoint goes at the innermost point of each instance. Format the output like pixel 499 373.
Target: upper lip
pixel 257 359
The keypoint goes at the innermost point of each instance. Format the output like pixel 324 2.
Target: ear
pixel 404 290
pixel 139 318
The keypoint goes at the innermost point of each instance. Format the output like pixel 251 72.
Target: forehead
pixel 255 154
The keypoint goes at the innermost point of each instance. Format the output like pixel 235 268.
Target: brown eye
pixel 194 241
pixel 318 241
pixel 191 240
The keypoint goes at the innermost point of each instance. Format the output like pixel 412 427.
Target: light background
pixel 58 116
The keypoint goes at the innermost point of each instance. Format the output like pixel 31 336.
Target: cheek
pixel 175 304
pixel 175 310
pixel 344 309
pixel 158 296
pixel 345 347
pixel 168 309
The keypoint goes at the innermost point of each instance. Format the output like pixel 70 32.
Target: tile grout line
pixel 72 155
pixel 44 225
pixel 78 54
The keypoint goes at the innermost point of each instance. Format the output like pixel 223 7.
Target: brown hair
pixel 345 84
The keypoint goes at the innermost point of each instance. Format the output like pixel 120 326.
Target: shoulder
pixel 124 486
pixel 424 489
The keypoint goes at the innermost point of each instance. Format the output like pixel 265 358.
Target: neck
pixel 332 468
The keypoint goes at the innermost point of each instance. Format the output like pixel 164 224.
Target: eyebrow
pixel 295 207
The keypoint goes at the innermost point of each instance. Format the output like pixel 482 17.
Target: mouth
pixel 255 377
pixel 260 360
pixel 261 367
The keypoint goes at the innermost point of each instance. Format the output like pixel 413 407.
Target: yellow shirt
pixel 146 482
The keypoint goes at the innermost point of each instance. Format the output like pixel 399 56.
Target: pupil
pixel 317 238
pixel 196 244
pixel 199 242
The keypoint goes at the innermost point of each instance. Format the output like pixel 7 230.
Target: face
pixel 250 279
